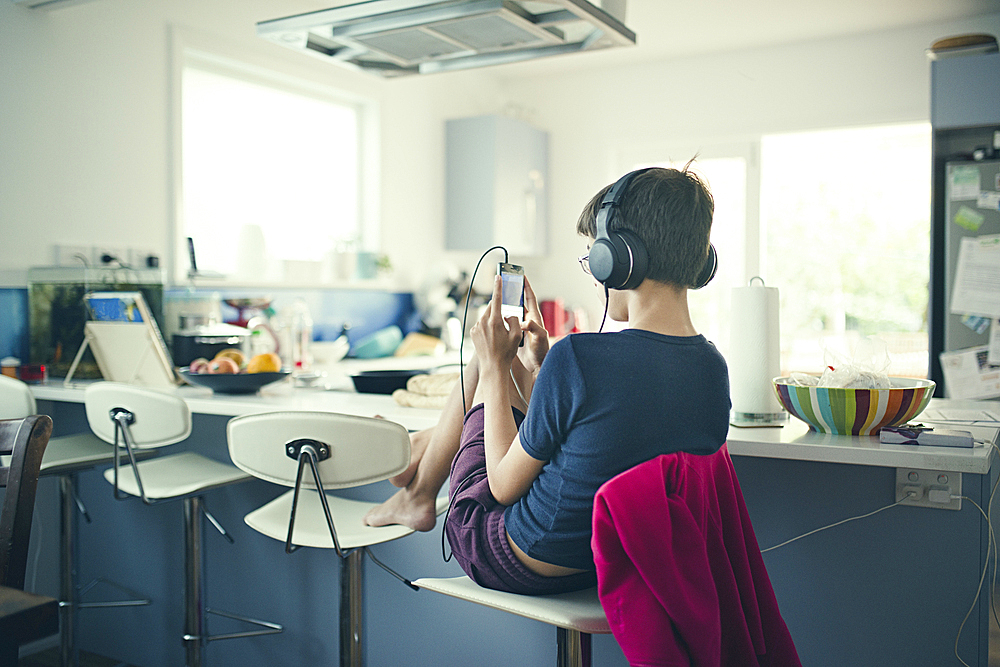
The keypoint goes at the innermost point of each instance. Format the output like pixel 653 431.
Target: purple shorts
pixel 475 524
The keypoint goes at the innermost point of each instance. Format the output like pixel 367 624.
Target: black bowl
pixel 233 383
pixel 383 382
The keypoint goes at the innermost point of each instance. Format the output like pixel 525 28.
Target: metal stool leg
pixel 68 564
pixel 350 609
pixel 194 603
pixel 573 648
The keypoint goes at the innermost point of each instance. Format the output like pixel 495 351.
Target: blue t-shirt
pixel 602 404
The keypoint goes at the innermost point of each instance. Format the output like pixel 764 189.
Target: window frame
pixel 755 260
pixel 217 57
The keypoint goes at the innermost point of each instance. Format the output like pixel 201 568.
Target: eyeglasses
pixel 585 263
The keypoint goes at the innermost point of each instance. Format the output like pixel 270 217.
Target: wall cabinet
pixel 964 91
pixel 496 185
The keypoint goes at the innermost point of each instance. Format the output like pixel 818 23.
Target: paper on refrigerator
pixel 969 375
pixel 977 277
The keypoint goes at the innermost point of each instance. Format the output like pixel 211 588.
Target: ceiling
pixel 670 29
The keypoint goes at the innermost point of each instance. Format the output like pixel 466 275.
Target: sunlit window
pixel 839 222
pixel 271 185
pixel 846 215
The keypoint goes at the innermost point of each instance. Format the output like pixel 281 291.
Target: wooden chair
pixel 341 451
pixel 24 440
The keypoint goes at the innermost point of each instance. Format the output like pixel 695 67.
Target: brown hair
pixel 670 210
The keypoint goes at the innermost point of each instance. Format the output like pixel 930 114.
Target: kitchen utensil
pixel 382 382
pixel 238 383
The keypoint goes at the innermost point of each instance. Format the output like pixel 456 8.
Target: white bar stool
pixel 66 457
pixel 341 451
pixel 147 418
pixel 576 615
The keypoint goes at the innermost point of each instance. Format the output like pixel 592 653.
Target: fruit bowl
pixel 855 411
pixel 232 383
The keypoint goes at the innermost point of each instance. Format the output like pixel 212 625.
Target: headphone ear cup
pixel 708 272
pixel 635 259
pixel 602 260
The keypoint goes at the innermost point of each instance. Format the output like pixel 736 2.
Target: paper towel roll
pixel 754 354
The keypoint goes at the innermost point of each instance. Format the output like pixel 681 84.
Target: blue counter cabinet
pixel 889 589
pixel 141 547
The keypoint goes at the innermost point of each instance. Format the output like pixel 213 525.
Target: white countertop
pixel 793 441
pixel 333 392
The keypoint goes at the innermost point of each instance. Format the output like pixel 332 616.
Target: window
pixel 839 222
pixel 847 220
pixel 272 175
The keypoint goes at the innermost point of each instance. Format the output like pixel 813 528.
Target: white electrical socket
pixel 929 488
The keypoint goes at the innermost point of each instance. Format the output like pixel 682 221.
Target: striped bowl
pixel 855 411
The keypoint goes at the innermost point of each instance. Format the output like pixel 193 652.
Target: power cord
pixel 465 318
pixel 839 523
pixel 990 544
pixel 461 380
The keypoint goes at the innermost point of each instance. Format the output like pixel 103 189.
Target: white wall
pixel 598 118
pixel 86 147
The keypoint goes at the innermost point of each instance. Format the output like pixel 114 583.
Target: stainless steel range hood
pixel 400 37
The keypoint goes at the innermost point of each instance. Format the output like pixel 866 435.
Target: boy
pixel 542 437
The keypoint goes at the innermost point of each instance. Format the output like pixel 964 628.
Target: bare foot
pixel 418 444
pixel 404 508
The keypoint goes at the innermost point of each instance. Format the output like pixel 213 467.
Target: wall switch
pixel 934 488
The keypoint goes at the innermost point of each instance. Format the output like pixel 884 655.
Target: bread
pixel 435 384
pixel 409 399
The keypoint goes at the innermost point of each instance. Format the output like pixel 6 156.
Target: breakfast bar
pixel 891 587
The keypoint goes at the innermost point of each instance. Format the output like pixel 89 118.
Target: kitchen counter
pixel 793 441
pixel 839 590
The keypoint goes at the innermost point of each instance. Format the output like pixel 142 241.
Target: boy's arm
pixel 509 469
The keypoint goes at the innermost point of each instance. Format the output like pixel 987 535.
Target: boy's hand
pixel 496 341
pixel 536 338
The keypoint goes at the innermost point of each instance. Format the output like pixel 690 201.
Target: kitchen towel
pixel 754 355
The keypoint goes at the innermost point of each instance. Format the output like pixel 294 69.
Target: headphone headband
pixel 618 259
pixel 613 199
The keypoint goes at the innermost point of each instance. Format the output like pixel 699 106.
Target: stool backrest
pixel 24 440
pixel 362 450
pixel 16 399
pixel 161 418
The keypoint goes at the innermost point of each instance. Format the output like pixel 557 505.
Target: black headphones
pixel 618 259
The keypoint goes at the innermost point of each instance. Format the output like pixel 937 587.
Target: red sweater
pixel 680 575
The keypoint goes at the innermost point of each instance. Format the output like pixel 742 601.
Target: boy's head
pixel 670 211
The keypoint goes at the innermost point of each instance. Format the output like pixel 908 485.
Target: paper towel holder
pixel 749 413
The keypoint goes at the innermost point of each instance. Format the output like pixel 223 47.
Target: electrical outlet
pixel 138 258
pixel 70 255
pixel 929 488
pixel 100 251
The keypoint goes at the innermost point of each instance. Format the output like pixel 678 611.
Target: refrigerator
pixel 966 282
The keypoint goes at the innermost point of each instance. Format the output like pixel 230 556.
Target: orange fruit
pixel 267 362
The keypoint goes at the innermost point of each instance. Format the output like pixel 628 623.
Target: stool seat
pixel 176 476
pixel 311 528
pixel 71 453
pixel 579 611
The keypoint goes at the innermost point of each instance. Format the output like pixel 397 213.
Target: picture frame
pixel 126 341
